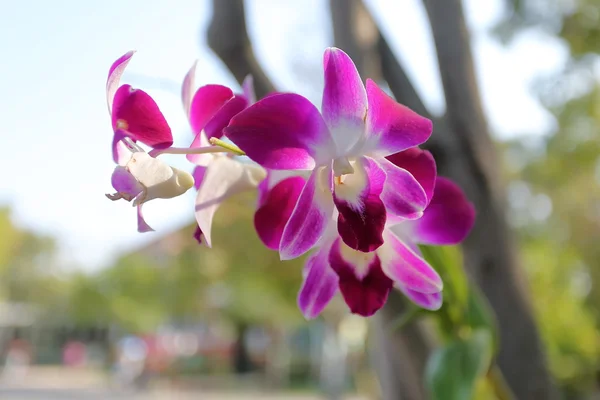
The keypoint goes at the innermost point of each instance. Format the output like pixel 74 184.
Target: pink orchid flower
pixel 365 279
pixel 136 117
pixel 344 148
pixel 218 176
pixel 134 113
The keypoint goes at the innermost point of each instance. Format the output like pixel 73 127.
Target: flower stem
pixel 227 146
pixel 218 146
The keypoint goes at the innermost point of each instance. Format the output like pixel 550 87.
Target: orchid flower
pixel 365 279
pixel 217 176
pixel 344 149
pixel 136 117
pixel 143 178
pixel 134 114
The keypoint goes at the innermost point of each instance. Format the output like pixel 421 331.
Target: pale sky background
pixel 56 134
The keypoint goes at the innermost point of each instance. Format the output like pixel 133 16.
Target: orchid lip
pixel 342 166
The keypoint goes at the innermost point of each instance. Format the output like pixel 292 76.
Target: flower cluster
pixel 348 183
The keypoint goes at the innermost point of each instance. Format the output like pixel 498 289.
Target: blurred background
pixel 89 308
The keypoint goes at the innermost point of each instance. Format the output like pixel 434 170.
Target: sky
pixel 56 133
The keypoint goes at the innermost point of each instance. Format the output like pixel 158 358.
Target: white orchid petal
pixel 223 178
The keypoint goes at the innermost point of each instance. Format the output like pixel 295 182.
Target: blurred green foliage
pixel 175 280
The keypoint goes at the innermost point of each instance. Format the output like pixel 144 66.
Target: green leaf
pixel 479 314
pixel 452 371
pixel 447 261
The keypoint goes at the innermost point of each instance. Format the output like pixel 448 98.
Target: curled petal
pixel 403 195
pixel 125 183
pixel 114 77
pixel 362 212
pixel 428 301
pixel 282 131
pixel 405 267
pixel 187 89
pixel 223 178
pixel 420 164
pixel 271 218
pixel 392 126
pixel 362 282
pixel 320 283
pixel 310 217
pixel 344 103
pixel 206 102
pixel 142 226
pixel 449 217
pixel 137 114
pixel 248 89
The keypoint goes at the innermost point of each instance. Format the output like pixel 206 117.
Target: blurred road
pixel 99 394
pixel 51 383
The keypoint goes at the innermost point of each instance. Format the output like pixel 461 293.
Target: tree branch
pixel 228 38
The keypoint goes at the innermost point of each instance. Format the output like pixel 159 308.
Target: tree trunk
pixel 490 253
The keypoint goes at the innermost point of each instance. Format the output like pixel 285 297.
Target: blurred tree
pixel 27 264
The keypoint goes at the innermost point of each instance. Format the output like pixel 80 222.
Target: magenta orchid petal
pixel 420 164
pixel 407 268
pixel 364 285
pixel 449 217
pixel 214 127
pixel 198 175
pixel 283 131
pixel 142 225
pixel 114 77
pixel 187 89
pixel 428 301
pixel 362 213
pixel 271 218
pixel 137 114
pixel 320 283
pixel 125 183
pixel 310 217
pixel 403 195
pixel 207 101
pixel 248 89
pixel 344 104
pixel 391 125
